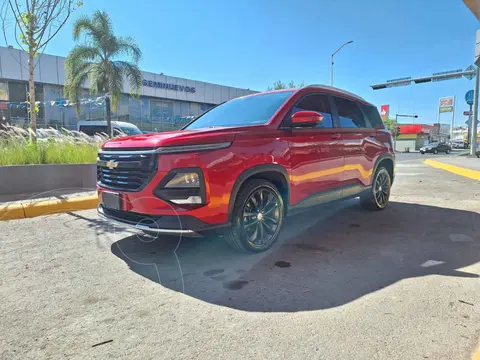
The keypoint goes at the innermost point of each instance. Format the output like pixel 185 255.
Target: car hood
pixel 176 138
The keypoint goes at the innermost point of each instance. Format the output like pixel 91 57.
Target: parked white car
pixel 98 127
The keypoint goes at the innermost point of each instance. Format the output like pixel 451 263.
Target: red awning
pixel 415 129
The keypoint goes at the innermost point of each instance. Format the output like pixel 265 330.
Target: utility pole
pixel 340 48
pixel 453 118
pixel 473 138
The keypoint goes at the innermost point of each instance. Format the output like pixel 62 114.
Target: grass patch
pixel 52 147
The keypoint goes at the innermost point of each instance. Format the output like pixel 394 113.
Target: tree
pixel 392 126
pixel 36 22
pixel 96 60
pixel 279 85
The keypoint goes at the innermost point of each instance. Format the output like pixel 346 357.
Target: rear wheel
pixel 378 197
pixel 422 152
pixel 257 216
pixel 447 151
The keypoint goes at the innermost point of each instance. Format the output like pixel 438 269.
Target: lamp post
pixel 340 48
pixel 402 115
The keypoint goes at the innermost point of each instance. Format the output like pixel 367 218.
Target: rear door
pixel 316 159
pixel 360 146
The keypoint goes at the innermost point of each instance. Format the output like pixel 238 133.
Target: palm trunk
pixel 31 93
pixel 109 116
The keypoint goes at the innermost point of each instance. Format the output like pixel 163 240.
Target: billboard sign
pixel 446 104
pixel 384 112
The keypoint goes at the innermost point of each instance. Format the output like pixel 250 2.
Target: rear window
pixel 372 115
pixel 93 129
pixel 349 114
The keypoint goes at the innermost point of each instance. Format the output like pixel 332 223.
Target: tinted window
pixel 93 129
pixel 372 115
pixel 244 111
pixel 349 114
pixel 318 103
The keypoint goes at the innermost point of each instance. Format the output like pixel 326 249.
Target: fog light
pixel 190 200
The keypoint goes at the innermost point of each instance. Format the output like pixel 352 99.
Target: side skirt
pixel 325 197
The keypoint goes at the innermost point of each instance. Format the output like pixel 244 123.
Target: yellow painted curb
pixel 33 209
pixel 12 211
pixel 469 173
pixel 476 354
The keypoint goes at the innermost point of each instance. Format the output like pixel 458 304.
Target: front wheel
pixel 257 217
pixel 435 151
pixel 447 151
pixel 378 197
pixel 422 152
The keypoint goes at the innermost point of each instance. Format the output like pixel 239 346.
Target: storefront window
pixel 162 115
pixel 17 107
pixel 4 115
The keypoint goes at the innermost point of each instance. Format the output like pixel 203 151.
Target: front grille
pixel 129 172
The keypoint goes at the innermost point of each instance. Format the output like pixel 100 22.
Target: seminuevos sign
pixel 162 85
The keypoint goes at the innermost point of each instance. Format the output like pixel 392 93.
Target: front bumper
pixel 183 225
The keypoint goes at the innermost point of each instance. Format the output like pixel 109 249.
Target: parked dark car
pixel 435 148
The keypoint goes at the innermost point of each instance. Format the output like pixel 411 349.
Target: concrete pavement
pixel 341 284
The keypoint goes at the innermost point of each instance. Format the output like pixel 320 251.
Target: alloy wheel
pixel 381 189
pixel 261 217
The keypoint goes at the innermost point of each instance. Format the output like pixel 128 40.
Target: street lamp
pixel 409 116
pixel 340 48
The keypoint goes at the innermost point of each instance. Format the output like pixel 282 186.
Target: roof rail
pixel 327 87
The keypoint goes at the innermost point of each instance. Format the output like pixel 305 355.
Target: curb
pixel 39 208
pixel 468 173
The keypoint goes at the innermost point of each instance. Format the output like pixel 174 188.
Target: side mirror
pixel 306 118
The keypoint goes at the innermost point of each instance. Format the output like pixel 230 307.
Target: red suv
pixel 241 167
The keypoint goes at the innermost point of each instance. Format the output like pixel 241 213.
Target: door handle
pixel 336 136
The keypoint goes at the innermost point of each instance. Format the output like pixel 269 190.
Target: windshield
pixel 130 130
pixel 244 111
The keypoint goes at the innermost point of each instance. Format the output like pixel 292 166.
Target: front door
pixel 316 157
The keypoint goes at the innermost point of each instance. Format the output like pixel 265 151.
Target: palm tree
pixel 96 60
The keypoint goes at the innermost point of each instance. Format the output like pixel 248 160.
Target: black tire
pixel 447 151
pixel 422 152
pixel 435 151
pixel 249 199
pixel 378 196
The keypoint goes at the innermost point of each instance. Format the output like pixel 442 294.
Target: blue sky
pixel 253 43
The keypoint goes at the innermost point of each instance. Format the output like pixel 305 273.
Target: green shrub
pixel 67 147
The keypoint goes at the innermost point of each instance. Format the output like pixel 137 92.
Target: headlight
pixel 186 180
pixel 182 186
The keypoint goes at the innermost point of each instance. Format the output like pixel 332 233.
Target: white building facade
pixel 165 102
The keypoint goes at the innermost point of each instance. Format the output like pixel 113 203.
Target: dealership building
pixel 165 102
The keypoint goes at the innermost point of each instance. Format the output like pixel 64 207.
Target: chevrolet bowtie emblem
pixel 111 164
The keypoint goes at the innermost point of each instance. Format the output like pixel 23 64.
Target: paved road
pixel 341 284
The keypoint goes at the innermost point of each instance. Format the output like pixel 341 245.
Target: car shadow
pixel 318 264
